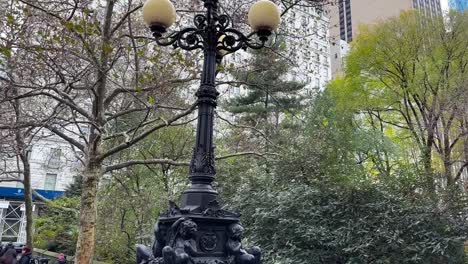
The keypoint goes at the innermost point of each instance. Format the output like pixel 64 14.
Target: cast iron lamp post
pixel 201 231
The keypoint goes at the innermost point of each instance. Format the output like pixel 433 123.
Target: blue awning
pixel 18 193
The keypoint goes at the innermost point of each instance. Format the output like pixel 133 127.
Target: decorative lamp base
pixel 209 235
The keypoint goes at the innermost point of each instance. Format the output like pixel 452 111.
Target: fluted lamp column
pixel 201 230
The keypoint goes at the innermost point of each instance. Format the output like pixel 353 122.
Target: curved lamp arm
pixel 229 39
pixel 187 39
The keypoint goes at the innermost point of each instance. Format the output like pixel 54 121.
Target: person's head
pixel 26 250
pixel 61 256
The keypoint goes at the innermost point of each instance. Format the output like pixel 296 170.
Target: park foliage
pixel 368 170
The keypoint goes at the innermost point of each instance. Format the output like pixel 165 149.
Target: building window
pixel 54 158
pixel 236 91
pixel 50 182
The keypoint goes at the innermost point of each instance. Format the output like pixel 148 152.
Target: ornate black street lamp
pixel 200 231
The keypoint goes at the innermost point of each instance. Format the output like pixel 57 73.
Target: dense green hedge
pixel 307 225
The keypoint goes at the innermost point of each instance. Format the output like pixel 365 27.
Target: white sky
pixel 444 4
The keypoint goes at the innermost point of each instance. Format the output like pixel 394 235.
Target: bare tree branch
pixel 122 20
pixel 144 134
pixel 179 163
pixel 144 162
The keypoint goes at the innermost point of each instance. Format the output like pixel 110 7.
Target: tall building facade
pixel 305 31
pixel 428 7
pixel 460 5
pixel 307 37
pixel 347 15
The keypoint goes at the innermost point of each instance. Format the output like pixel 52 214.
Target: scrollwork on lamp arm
pixel 229 39
pixel 187 38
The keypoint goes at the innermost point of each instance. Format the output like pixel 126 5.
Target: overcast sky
pixel 444 4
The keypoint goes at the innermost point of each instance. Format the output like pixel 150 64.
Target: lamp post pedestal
pixel 201 231
pixel 193 234
pixel 208 236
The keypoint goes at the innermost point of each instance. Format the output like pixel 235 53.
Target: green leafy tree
pixel 268 92
pixel 309 224
pixel 56 227
pixel 322 203
pixel 407 77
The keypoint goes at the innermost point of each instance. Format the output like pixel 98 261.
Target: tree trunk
pixel 427 162
pixel 448 170
pixel 23 154
pixel 447 156
pixel 465 150
pixel 28 201
pixel 86 243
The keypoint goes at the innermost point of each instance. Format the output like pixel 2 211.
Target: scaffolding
pixel 12 221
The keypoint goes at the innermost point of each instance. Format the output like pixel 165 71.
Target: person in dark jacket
pixel 6 248
pixel 25 256
pixel 9 257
